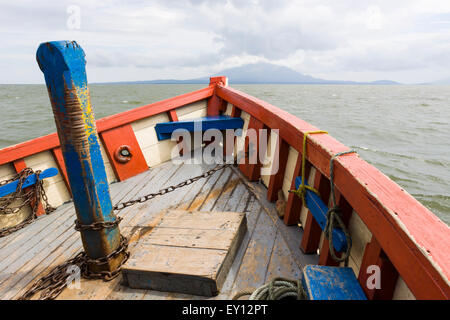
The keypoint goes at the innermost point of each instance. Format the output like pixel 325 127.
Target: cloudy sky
pixel 402 40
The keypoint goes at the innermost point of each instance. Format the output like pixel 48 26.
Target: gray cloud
pixel 190 38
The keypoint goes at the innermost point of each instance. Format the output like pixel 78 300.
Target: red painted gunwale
pixel 415 240
pixel 51 141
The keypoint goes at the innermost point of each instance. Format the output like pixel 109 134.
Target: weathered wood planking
pixel 187 252
pixel 291 234
pixel 331 283
pixel 34 266
pixel 253 270
pixel 413 242
pixel 219 194
pixel 252 214
pixel 282 262
pixel 213 195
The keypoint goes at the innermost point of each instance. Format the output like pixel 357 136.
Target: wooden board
pixel 187 252
pixel 331 283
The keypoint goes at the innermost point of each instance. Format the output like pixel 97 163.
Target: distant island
pixel 260 73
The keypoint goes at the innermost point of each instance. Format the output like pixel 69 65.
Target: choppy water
pixel 403 130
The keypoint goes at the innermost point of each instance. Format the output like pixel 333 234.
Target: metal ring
pixel 123 154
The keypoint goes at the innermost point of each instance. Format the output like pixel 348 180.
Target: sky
pixel 405 41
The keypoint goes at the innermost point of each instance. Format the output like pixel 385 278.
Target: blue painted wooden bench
pixel 324 282
pixel 31 180
pixel 164 130
pixel 331 283
pixel 319 211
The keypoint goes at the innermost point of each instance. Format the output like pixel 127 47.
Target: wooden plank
pixel 252 170
pixel 312 230
pixel 282 263
pixel 164 130
pixel 291 234
pixel 22 235
pixel 384 206
pixel 124 136
pixel 153 209
pixel 237 200
pixel 212 195
pixel 196 194
pixel 331 283
pixel 19 252
pixel 253 270
pixel 374 256
pixel 142 213
pixel 252 215
pixel 59 159
pixel 34 269
pixel 187 252
pixel 276 179
pixel 25 264
pixel 228 193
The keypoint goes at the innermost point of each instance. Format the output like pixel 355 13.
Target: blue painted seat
pixel 331 283
pixel 319 211
pixel 164 130
pixel 31 180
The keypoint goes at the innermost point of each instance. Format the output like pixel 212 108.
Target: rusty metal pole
pixel 63 64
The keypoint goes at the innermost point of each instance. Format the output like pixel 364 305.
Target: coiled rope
pixel 334 218
pixel 277 289
pixel 301 191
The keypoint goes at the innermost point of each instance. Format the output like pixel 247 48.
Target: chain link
pixel 98 225
pixel 54 283
pixel 31 197
pixel 150 196
pixel 57 279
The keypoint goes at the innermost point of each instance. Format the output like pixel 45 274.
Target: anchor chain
pixel 56 280
pixel 150 196
pixel 31 197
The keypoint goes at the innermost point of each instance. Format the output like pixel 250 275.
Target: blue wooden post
pixel 63 64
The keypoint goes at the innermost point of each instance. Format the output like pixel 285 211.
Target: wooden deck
pixel 269 248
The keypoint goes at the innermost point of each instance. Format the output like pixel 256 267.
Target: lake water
pixel 403 130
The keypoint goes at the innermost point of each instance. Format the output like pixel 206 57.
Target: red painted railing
pixel 51 141
pixel 412 237
pixel 408 239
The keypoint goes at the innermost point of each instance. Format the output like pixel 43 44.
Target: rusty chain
pixel 57 279
pixel 54 283
pixel 31 197
pixel 147 197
